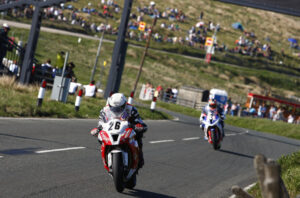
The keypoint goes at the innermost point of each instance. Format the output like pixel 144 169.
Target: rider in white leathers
pixel 117 106
pixel 212 106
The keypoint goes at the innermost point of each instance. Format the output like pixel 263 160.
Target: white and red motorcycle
pixel 213 129
pixel 120 153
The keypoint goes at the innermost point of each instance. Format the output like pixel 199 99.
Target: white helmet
pixel 117 102
pixel 5 25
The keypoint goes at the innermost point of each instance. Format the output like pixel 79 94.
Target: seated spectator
pixel 74 86
pixel 91 89
pixel 14 68
pixel 46 66
pixel 252 111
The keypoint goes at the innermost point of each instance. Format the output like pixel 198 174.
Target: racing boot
pixel 205 136
pixel 141 155
pixel 141 159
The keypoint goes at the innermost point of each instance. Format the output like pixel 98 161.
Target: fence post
pixel 78 100
pixel 130 98
pixel 153 104
pixel 41 93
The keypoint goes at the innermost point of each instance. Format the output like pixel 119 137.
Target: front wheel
pixel 215 139
pixel 118 170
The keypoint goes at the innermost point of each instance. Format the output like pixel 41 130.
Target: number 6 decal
pixel 117 125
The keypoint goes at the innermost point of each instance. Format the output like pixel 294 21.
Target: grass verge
pixel 290 167
pixel 20 101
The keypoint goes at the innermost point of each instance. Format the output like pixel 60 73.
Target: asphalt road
pixel 177 162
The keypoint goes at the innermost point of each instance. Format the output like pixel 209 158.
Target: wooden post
pixel 240 193
pixel 259 163
pixel 271 183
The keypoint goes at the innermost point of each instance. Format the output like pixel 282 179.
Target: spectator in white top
pixel 74 86
pixel 14 68
pixel 291 119
pixel 91 89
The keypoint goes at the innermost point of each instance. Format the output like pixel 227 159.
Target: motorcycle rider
pixel 212 106
pixel 117 106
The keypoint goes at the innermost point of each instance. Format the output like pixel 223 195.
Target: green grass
pixel 262 23
pixel 20 101
pixel 290 173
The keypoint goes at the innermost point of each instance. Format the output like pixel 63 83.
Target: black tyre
pixel 215 139
pixel 132 182
pixel 117 168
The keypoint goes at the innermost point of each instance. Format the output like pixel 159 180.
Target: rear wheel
pixel 118 169
pixel 132 182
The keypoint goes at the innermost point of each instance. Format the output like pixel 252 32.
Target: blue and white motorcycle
pixel 211 125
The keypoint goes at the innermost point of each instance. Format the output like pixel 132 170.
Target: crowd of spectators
pixel 263 111
pixel 170 21
pixel 248 44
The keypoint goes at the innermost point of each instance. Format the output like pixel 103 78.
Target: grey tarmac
pixel 184 167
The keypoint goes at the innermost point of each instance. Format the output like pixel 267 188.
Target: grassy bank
pixel 290 173
pixel 20 101
pixel 167 70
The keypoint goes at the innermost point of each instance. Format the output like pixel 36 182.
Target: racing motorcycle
pixel 120 153
pixel 213 129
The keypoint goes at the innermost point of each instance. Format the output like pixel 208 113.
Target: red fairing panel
pixel 103 156
pixel 135 156
pixel 105 138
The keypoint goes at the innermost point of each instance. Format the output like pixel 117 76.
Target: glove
pixel 138 127
pixel 222 117
pixel 95 131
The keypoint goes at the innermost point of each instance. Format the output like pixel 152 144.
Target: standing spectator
pixel 60 62
pixel 201 15
pixel 174 94
pixel 229 104
pixel 278 115
pixel 233 109
pixel 263 111
pixel 259 111
pixel 290 119
pixel 69 70
pixel 272 112
pixel 3 42
pixel 91 89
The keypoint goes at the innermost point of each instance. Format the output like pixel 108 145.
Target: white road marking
pixel 191 138
pixel 233 134
pixel 176 119
pixel 1 156
pixel 245 189
pixel 160 141
pixel 57 150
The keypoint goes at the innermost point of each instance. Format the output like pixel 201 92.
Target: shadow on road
pixel 21 151
pixel 238 154
pixel 144 193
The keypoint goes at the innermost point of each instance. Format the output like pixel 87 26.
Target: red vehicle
pixel 291 107
pixel 120 150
